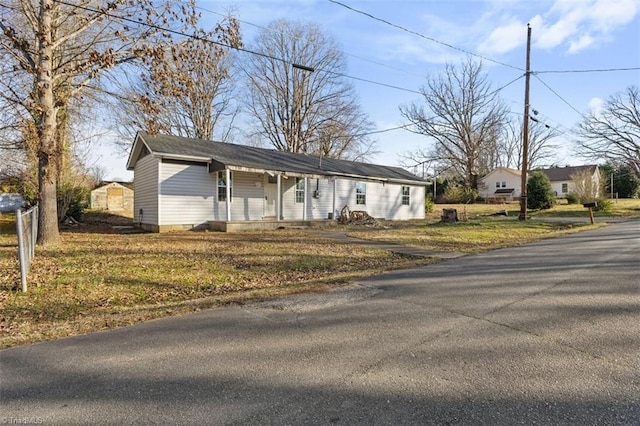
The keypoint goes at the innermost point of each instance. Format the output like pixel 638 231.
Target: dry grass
pixel 97 279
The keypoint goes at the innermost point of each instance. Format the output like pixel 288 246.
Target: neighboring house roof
pixel 222 155
pixel 109 182
pixel 556 174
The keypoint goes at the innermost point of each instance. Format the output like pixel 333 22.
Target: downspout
pixel 228 189
pixel 333 204
pixel 278 197
pixel 306 193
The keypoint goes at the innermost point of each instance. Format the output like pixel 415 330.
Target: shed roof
pixel 223 155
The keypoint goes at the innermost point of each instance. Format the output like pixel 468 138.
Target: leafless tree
pixel 298 96
pixel 58 52
pixel 188 90
pixel 613 133
pixel 541 147
pixel 463 117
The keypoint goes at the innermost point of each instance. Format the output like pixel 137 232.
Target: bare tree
pixel 614 132
pixel 463 117
pixel 298 95
pixel 188 90
pixel 541 146
pixel 58 51
pixel 585 186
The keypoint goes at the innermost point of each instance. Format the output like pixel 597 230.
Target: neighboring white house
pixel 500 185
pixel 182 183
pixel 563 179
pixel 504 184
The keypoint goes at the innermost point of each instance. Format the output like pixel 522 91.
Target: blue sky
pixel 567 35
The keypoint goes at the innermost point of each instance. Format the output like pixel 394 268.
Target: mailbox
pixel 590 205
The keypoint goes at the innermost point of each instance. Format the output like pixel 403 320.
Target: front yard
pixel 98 279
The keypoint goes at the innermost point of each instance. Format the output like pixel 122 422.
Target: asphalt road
pixel 546 333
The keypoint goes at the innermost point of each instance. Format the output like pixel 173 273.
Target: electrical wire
pixel 586 71
pixel 240 49
pixel 558 95
pixel 450 46
pixel 381 64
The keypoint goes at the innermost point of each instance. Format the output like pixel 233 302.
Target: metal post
pixel 21 251
pixel 228 190
pixel 525 133
pixel 278 198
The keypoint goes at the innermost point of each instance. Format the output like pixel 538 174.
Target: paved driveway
pixel 547 333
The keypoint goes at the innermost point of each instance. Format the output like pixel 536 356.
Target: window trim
pixel 361 193
pixel 299 195
pixel 406 198
pixel 222 176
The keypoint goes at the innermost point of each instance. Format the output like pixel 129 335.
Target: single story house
pixel 183 183
pixel 504 184
pixel 112 196
pixel 563 179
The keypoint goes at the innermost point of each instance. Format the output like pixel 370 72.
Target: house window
pixel 503 184
pixel 361 193
pixel 222 186
pixel 497 184
pixel 565 188
pixel 405 195
pixel 299 190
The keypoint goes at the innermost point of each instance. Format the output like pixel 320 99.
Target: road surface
pixel 545 333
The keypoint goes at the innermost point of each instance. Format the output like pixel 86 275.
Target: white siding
pixel 145 194
pixel 290 209
pixel 248 196
pixel 383 200
pixel 187 194
pixel 487 186
pixel 319 198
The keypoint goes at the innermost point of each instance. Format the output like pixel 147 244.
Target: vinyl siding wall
pixel 383 200
pixel 187 194
pixel 145 193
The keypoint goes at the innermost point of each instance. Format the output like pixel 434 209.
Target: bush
pixel 539 193
pixel 604 205
pixel 72 201
pixel 460 194
pixel 428 205
pixel 572 198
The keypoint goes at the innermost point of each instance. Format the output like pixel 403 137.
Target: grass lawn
pixel 97 279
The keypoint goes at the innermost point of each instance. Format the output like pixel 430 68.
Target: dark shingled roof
pixel 267 159
pixel 556 174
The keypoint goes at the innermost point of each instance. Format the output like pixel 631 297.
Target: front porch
pixel 267 224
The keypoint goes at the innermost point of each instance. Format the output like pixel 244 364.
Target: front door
pixel 270 194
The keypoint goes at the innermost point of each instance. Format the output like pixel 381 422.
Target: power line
pixel 424 36
pixel 240 49
pixel 346 53
pixel 586 71
pixel 558 95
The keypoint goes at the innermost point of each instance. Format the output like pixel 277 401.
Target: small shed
pixel 112 196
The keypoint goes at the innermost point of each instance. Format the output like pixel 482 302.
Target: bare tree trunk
pixel 48 233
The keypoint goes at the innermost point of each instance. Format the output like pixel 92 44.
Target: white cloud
pixel 504 39
pixel 595 105
pixel 580 24
pixel 574 24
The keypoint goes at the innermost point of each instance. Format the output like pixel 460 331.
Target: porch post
pixel 278 197
pixel 228 177
pixel 333 204
pixel 304 204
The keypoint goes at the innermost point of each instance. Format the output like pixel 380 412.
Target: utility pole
pixel 525 133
